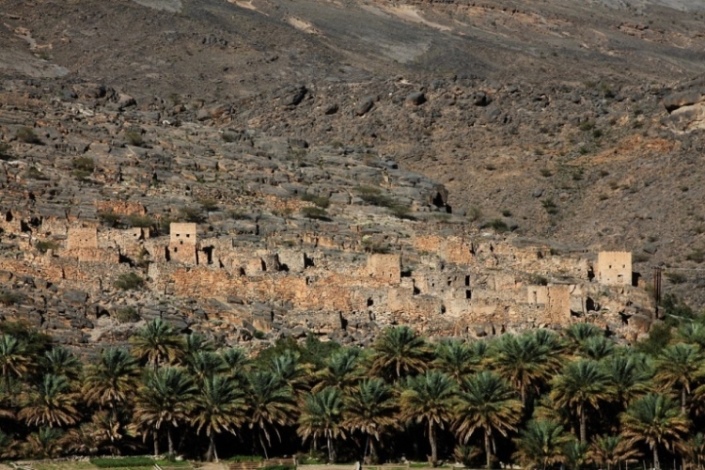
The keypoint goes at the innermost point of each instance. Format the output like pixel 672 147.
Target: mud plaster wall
pixel 384 268
pixel 614 268
pixel 82 238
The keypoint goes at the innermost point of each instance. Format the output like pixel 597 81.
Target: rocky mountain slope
pixel 489 147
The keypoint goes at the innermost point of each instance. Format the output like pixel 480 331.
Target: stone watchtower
pixel 183 243
pixel 614 268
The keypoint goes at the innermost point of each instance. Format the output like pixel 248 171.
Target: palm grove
pixel 540 399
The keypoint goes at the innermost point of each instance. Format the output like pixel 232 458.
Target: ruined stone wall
pixel 10 221
pixel 120 207
pixel 614 268
pixel 451 249
pixel 54 226
pixel 384 267
pixel 79 238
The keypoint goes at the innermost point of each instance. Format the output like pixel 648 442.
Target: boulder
pixel 364 106
pixel 416 99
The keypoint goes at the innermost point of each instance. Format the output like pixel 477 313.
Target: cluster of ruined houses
pixel 458 279
pixel 477 281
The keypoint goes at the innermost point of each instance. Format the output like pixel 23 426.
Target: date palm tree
pixel 51 403
pixel 628 375
pixel 14 360
pixel 157 343
pixel 695 450
pixel 458 359
pixel 112 381
pixel 236 363
pixel 680 365
pixel 486 403
pixel 371 408
pixel 581 385
pixel 575 454
pixel 44 444
pixel 61 361
pixel 164 401
pixel 270 404
pixel 578 333
pixel 342 370
pixel 322 416
pixel 398 352
pixel 657 421
pixel 291 371
pixel 429 398
pixel 524 363
pixel 203 365
pixel 540 445
pixel 597 347
pixel 219 407
pixel 611 450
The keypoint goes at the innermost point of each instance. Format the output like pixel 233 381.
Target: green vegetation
pixel 316 213
pixel 8 298
pixel 111 219
pixel 45 245
pixel 550 206
pixel 123 462
pixel 374 196
pixel 320 201
pixel 498 225
pixel 83 168
pixel 192 214
pixel 4 151
pixel 28 136
pixel 537 399
pixel 127 315
pixel 134 137
pixel 34 173
pixel 129 281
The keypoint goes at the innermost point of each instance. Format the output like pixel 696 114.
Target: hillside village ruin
pixel 468 286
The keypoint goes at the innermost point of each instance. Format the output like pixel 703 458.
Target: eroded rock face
pixel 686 107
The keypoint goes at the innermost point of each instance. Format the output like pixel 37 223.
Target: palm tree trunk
pixel 171 442
pixel 488 449
pixel 583 425
pixel 155 438
pixel 212 451
pixel 331 451
pixel 683 399
pixel 264 447
pixel 656 462
pixel 432 441
pixel 522 392
pixel 367 448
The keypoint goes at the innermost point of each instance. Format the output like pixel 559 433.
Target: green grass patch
pixel 124 462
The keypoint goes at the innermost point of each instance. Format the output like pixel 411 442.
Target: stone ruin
pixel 467 285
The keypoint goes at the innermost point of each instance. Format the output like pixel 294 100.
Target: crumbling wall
pixel 82 238
pixel 120 207
pixel 384 267
pixel 614 268
pixel 451 249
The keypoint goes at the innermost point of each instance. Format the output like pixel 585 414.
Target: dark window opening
pixel 468 294
pixel 467 281
pixel 308 262
pixel 370 302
